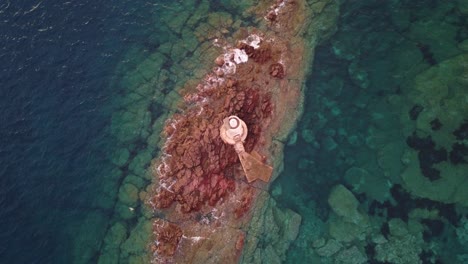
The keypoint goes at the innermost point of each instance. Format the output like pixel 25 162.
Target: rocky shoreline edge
pixel 205 211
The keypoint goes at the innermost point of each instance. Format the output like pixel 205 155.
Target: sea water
pixel 68 90
pixel 356 140
pixel 58 59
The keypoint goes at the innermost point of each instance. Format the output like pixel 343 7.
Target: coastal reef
pixel 204 209
pixel 148 85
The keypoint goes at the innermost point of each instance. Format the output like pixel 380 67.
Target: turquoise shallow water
pixel 353 144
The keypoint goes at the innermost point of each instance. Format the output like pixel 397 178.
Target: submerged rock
pixel 139 164
pixel 358 75
pixel 436 37
pixel 374 186
pixel 330 248
pixel 345 205
pixel 91 234
pixel 308 136
pixel 389 160
pixel 128 194
pixel 124 212
pixel 462 232
pixel 134 248
pixel 449 188
pixel 275 230
pixel 351 255
pixel 120 157
pixel 403 246
pixel 347 232
pixel 436 171
pixel 110 252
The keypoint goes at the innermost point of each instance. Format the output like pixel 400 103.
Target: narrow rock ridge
pixel 203 203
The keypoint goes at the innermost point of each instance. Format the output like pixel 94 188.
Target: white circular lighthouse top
pixel 232 130
pixel 233 122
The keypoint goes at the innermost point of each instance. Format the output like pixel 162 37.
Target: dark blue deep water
pixel 57 61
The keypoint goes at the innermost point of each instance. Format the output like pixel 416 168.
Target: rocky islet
pixel 386 181
pixel 199 178
pixel 152 84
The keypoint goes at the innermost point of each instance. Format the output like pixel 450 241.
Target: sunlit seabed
pixel 368 92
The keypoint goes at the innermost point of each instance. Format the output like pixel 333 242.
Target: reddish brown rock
pixel 200 184
pixel 259 55
pixel 196 157
pixel 271 16
pixel 168 236
pixel 277 70
pixel 240 242
pixel 219 60
pixel 245 202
